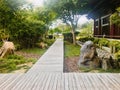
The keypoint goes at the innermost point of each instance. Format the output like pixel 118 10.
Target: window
pixel 105 20
pixel 96 23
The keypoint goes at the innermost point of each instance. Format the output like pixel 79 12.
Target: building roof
pixel 102 7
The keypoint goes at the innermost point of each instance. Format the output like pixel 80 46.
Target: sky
pixel 36 3
pixel 83 19
pixel 39 3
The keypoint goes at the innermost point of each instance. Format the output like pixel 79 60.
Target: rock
pixel 43 45
pixel 7 48
pixel 88 54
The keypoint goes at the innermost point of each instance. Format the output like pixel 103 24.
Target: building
pixel 101 11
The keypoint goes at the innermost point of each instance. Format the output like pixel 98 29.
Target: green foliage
pixel 116 44
pixel 86 29
pixel 104 42
pixel 10 63
pixel 69 11
pixel 96 40
pixel 23 26
pixel 99 70
pixel 71 50
pixel 84 39
pixel 115 18
pixel 49 42
pixel 34 50
pixel 68 37
pixel 117 55
pixel 14 57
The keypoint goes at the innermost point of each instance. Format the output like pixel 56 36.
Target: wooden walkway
pixel 52 60
pixel 47 74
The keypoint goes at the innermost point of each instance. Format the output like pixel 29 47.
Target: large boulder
pixel 7 48
pixel 88 56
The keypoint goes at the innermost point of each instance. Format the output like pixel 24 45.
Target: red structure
pixel 101 12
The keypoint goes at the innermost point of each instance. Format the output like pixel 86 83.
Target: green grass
pixel 34 50
pixel 99 70
pixel 10 63
pixel 71 50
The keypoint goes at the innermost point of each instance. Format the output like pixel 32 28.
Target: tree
pixel 23 25
pixel 115 17
pixel 86 29
pixel 69 11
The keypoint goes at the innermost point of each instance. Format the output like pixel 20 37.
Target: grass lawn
pixel 71 50
pixel 14 62
pixel 34 50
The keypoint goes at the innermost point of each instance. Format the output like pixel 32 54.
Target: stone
pixel 88 54
pixel 7 48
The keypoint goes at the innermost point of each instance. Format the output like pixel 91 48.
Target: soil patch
pixel 23 68
pixel 70 64
pixel 28 55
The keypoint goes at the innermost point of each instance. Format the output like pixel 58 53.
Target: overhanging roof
pixel 102 7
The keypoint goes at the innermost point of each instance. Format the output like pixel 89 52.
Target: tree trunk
pixel 74 37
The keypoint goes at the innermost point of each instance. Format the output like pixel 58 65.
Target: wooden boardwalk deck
pixel 47 74
pixel 52 60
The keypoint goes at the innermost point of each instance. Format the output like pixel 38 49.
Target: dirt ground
pixel 26 66
pixel 70 64
pixel 28 55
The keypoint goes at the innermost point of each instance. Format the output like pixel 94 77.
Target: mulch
pixel 70 64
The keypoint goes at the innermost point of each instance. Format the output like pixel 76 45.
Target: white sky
pixel 39 3
pixel 83 19
pixel 36 3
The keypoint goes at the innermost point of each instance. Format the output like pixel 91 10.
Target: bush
pixel 49 42
pixel 11 61
pixel 96 40
pixel 68 37
pixel 84 39
pixel 14 57
pixel 104 42
pixel 116 44
pixel 117 55
pixel 18 46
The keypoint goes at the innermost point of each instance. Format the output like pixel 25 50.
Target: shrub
pixel 116 44
pixel 96 40
pixel 18 46
pixel 14 57
pixel 117 55
pixel 84 39
pixel 104 42
pixel 49 41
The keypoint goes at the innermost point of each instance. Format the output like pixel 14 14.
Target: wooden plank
pixel 66 82
pixel 113 81
pixel 77 81
pixel 8 85
pixel 81 82
pixel 38 79
pixel 39 82
pixel 55 82
pixel 60 82
pixel 46 87
pixel 5 78
pixel 104 81
pixel 109 82
pixel 70 82
pixel 89 83
pixel 22 82
pixel 43 84
pixel 98 82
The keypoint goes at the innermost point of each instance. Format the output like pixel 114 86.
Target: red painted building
pixel 101 12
